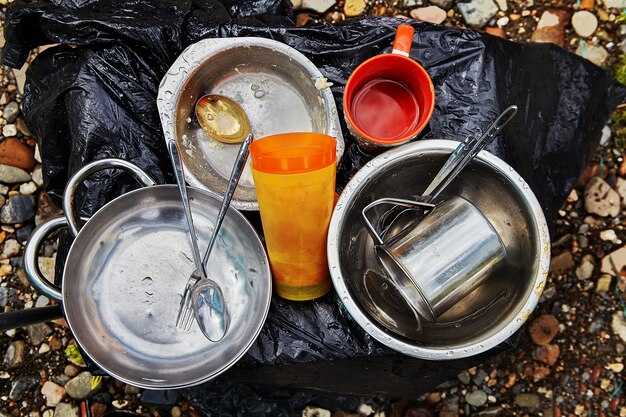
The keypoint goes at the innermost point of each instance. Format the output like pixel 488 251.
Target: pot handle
pixel 73 222
pixel 394 202
pixel 403 40
pixel 31 267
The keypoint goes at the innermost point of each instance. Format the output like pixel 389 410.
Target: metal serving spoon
pixel 222 119
pixel 205 296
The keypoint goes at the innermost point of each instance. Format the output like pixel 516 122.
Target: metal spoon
pixel 204 295
pixel 217 327
pixel 222 119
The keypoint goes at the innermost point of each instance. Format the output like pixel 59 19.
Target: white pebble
pixel 28 188
pixel 9 130
pixel 503 21
pixel 608 235
pixel 584 23
pixel 44 348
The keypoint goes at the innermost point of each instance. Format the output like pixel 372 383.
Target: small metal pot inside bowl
pixel 489 314
pixel 278 87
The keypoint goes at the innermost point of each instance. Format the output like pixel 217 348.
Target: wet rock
pixel 562 263
pixel 444 4
pixel 604 283
pixel 12 175
pixel 585 269
pixel 131 390
pixel 38 333
pixel 354 8
pixel 543 329
pixel 551 27
pixel 46 209
pixel 584 23
pixel 548 354
pixel 601 199
pixel 21 385
pixel 66 410
pixel 54 393
pixel 477 13
pixel 11 111
pixel 618 325
pixel 618 258
pixel 528 401
pixel 432 14
pixel 14 356
pixel 10 249
pixel 596 54
pixel 79 387
pixel 476 398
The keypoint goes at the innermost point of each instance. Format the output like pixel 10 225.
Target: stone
pixel 319 6
pixel 601 199
pixel 609 235
pixel 618 258
pixel 98 409
pixel 13 175
pixel 502 5
pixel 22 127
pixel 596 54
pixel 38 333
pixel 79 387
pixel 620 188
pixel 543 329
pixel 46 266
pixel 584 23
pixel 42 301
pixel 311 411
pixel 604 283
pixel 444 4
pixel 21 385
pixel 14 356
pixel 476 398
pixel 562 263
pixel 365 409
pixel 551 27
pixel 489 412
pixel 54 393
pixel 37 176
pixel 44 348
pixel 618 325
pixel 23 233
pixel 464 377
pixel 353 8
pixel 528 401
pixel 476 13
pixel 11 111
pixel 66 410
pixel 71 370
pixel 496 32
pixel 13 152
pixel 4 297
pixel 46 209
pixel 606 136
pixel 18 209
pixel 302 19
pixel 616 4
pixel 548 354
pixel 432 14
pixel 131 390
pixel 9 130
pixel 585 269
pixel 10 249
pixel 587 5
pixel 503 21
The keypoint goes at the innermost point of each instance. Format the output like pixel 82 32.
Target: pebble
pixel 617 4
pixel 503 21
pixel 548 354
pixel 37 176
pixel 551 26
pixel 606 136
pixel 604 283
pixel 585 269
pixel 4 296
pixel 528 401
pixel 543 329
pixel 444 4
pixel 14 355
pixel 45 208
pixel 365 409
pixel 71 370
pixel 609 235
pixel 18 209
pixel 22 127
pixel 21 384
pixel 38 333
pixel 310 411
pixel 9 130
pixel 54 393
pixel 66 410
pixel 477 13
pixel 489 411
pixel 584 23
pixel 319 6
pixel 432 14
pixel 176 411
pixel 502 5
pixel 601 199
pixel 23 233
pixel 46 266
pixel 13 175
pixel 618 325
pixel 79 387
pixel 496 32
pixel 11 111
pixel 353 8
pixel 44 348
pixel 42 301
pixel 617 257
pixel 48 413
pixel 464 377
pixel 562 263
pixel 28 188
pixel 596 54
pixel 10 249
pixel 476 398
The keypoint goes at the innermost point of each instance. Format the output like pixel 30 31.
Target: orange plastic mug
pixel 389 99
pixel 294 178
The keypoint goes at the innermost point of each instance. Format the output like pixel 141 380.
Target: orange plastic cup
pixel 294 178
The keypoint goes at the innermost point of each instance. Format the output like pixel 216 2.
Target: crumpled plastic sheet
pixel 94 96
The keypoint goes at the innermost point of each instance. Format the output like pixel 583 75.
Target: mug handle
pixel 31 255
pixel 73 222
pixel 403 40
pixel 394 202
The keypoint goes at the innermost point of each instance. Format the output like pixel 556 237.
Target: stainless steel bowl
pixel 276 85
pixel 488 315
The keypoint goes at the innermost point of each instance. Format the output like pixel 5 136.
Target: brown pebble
pixel 543 329
pixel 420 411
pixel 13 152
pixel 548 354
pixel 433 398
pixel 399 407
pixel 302 19
pixel 613 404
pixel 557 411
pixel 595 374
pixel 55 344
pixel 587 4
pixel 510 380
pixel 98 409
pixel 496 32
pixel 588 173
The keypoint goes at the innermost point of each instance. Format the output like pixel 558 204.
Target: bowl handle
pixel 73 222
pixel 378 240
pixel 31 254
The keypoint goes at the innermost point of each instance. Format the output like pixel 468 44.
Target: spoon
pixel 204 295
pixel 222 118
pixel 217 327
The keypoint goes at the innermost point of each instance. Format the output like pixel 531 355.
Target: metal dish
pixel 124 277
pixel 488 315
pixel 275 85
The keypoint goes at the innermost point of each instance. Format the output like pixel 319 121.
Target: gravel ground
pixel 569 361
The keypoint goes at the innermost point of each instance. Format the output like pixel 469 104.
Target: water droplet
pixel 254 87
pixel 259 94
pixel 450 352
pixel 384 286
pixel 147 281
pixel 457 325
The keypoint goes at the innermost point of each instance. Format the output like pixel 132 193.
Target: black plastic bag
pixel 95 96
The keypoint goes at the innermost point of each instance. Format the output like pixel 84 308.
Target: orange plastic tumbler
pixel 294 178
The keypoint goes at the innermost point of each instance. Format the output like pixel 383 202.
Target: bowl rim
pixel 374 329
pixel 196 55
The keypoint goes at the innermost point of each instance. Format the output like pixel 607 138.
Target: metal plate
pixel 273 83
pixel 124 278
pixel 488 315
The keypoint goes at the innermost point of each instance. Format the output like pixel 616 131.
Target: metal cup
pixel 442 258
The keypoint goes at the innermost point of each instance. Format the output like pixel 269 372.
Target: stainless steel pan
pixel 125 273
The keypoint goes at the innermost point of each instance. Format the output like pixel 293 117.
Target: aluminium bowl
pixel 279 88
pixel 488 315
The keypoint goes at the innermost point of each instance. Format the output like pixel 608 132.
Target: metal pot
pixel 490 313
pixel 278 87
pixel 125 273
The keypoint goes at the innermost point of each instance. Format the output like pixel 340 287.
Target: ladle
pixel 222 119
